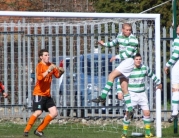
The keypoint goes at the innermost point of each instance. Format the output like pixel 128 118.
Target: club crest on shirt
pixel 39 106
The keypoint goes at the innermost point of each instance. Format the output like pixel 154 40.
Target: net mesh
pixel 73 41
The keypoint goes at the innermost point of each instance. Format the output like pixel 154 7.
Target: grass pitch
pixel 71 130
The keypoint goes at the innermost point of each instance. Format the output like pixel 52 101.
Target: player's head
pixel 126 29
pixel 44 55
pixel 178 30
pixel 137 60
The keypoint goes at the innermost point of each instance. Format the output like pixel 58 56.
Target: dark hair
pixel 126 24
pixel 42 51
pixel 137 55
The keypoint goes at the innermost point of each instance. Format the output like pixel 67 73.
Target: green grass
pixel 9 130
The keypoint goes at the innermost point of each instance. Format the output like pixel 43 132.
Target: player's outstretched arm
pixel 109 44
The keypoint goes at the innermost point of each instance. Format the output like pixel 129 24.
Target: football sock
pixel 30 123
pixel 127 99
pixel 125 126
pixel 118 87
pixel 147 122
pixel 44 123
pixel 106 89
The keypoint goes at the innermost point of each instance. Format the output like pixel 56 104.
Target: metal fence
pixel 86 70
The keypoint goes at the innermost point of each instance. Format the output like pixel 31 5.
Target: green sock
pixel 127 99
pixel 147 122
pixel 106 89
pixel 125 126
pixel 119 87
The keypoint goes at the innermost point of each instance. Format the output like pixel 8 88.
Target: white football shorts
pixel 175 73
pixel 125 67
pixel 139 99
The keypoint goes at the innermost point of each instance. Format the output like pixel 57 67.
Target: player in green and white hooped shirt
pixel 174 61
pixel 137 90
pixel 128 44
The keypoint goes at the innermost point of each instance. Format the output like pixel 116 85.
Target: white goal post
pixel 155 17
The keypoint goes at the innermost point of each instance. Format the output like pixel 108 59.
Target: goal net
pixel 71 39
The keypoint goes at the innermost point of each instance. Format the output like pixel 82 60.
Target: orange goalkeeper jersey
pixel 42 86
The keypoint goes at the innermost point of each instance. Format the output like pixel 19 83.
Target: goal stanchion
pixel 175 124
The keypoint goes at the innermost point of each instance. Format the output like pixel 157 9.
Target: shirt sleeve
pixel 175 53
pixel 113 43
pixel 130 49
pixel 56 73
pixel 39 72
pixel 119 87
pixel 153 76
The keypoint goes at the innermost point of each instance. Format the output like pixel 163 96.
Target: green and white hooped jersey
pixel 175 53
pixel 127 45
pixel 137 79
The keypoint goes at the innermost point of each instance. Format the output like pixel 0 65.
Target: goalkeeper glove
pixel 51 67
pixel 61 70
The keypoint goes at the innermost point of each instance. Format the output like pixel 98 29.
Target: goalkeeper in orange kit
pixel 42 100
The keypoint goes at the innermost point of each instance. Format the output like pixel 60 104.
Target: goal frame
pixel 155 17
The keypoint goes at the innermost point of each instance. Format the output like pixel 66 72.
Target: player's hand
pixel 61 70
pixel 51 67
pixel 120 96
pixel 166 70
pixel 113 58
pixel 5 95
pixel 159 86
pixel 101 42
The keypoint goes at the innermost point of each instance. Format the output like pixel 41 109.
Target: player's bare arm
pixel 113 58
